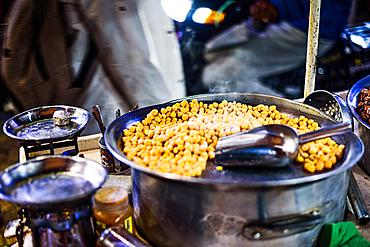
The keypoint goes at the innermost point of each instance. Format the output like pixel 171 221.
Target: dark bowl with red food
pixel 358 99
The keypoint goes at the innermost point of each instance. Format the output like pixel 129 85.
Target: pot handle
pixel 282 226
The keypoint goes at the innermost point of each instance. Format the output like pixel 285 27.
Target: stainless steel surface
pixel 331 130
pixel 218 208
pixel 47 181
pixel 290 175
pixel 331 104
pixel 273 145
pixel 363 126
pixel 37 125
pixel 268 146
pixel 337 107
pixel 175 213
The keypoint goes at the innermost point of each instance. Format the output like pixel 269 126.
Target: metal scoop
pixel 274 145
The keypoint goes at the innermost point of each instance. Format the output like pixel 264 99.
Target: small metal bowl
pixel 51 181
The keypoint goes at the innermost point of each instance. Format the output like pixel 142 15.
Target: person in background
pixel 272 41
pixel 6 104
pixel 111 53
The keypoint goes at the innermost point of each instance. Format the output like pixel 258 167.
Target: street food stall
pixel 168 158
pixel 233 205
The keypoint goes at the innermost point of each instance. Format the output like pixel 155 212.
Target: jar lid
pixel 111 195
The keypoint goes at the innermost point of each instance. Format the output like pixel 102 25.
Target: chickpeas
pixel 181 138
pixel 320 154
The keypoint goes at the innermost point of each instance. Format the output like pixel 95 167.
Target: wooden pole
pixel 312 45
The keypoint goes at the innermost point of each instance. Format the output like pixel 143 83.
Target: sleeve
pixel 291 9
pixel 333 15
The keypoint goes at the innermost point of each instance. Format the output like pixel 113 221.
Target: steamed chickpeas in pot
pixel 181 138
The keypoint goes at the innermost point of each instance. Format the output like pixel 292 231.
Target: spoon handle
pixel 324 132
pixel 97 114
pixel 118 113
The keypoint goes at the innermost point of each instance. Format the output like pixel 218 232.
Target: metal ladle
pixel 273 145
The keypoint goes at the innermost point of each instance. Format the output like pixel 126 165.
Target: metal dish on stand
pixel 36 130
pixel 37 124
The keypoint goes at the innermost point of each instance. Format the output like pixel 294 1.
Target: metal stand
pixel 51 146
pixel 63 224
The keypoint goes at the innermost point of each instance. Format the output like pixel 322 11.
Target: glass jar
pixel 111 208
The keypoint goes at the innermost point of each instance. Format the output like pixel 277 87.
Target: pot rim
pixel 114 132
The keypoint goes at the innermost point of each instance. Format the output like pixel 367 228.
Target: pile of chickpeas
pixel 181 138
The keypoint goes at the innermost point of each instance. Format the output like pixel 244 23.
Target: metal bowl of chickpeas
pixel 181 198
pixel 358 99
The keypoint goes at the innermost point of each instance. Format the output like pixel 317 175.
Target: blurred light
pixel 207 16
pixel 347 50
pixel 176 9
pixel 361 40
pixel 200 15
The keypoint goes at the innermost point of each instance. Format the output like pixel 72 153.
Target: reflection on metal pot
pixel 285 207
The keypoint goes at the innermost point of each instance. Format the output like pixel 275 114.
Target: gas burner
pixel 69 226
pixel 37 129
pixel 54 193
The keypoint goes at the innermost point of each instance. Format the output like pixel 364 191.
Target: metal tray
pixel 37 126
pixel 293 174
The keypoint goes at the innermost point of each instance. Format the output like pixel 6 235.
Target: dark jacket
pixel 333 15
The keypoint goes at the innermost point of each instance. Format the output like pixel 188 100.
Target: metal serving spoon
pixel 273 145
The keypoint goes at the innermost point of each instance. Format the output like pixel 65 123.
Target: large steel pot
pixel 237 207
pixel 363 127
